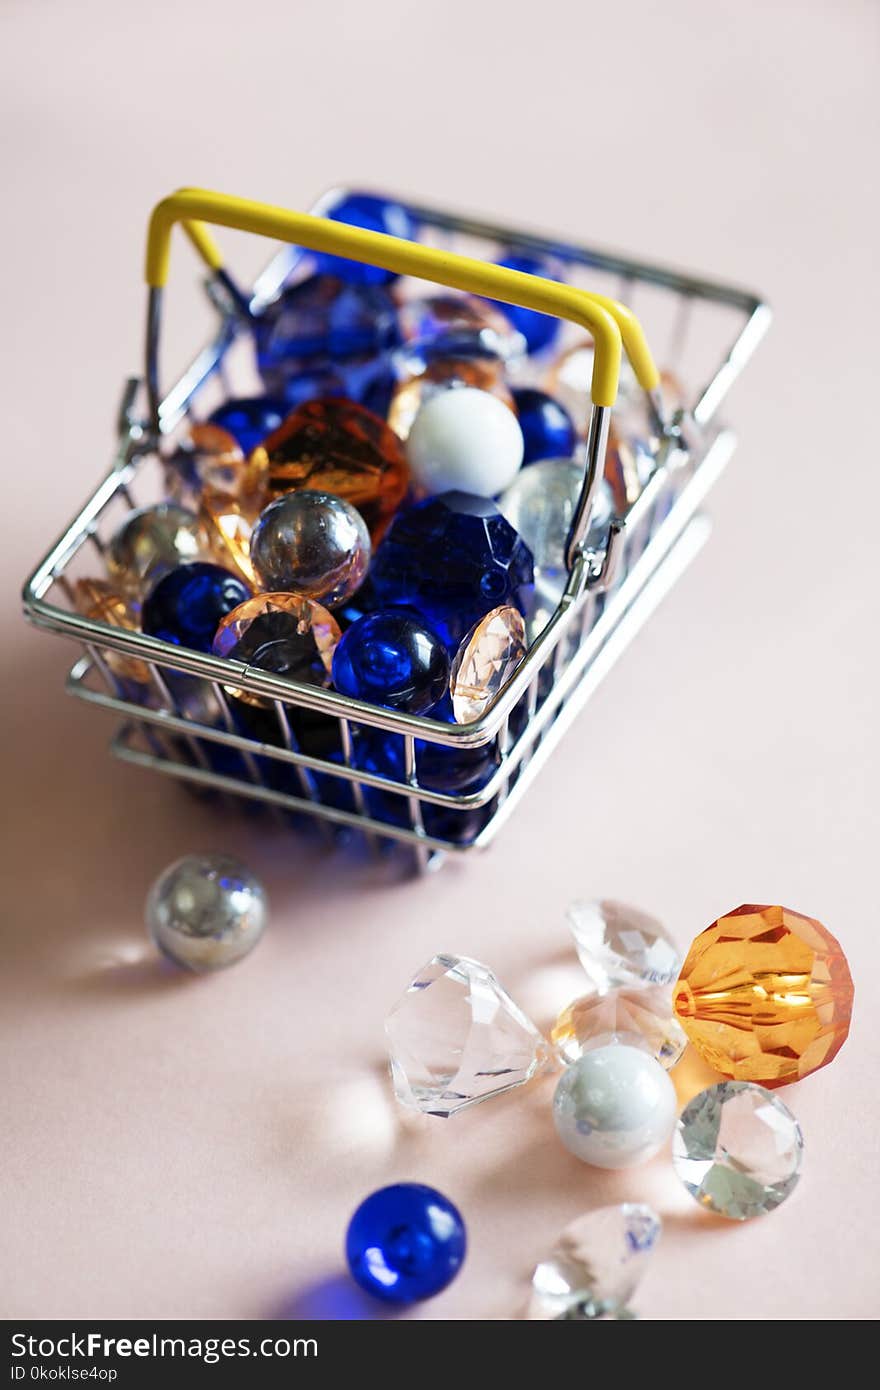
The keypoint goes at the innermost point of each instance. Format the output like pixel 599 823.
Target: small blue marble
pixel 394 660
pixel 405 1242
pixel 547 428
pixel 249 419
pixel 187 605
pixel 453 558
pixel 374 215
pixel 539 330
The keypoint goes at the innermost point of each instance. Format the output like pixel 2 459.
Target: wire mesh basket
pixel 186 728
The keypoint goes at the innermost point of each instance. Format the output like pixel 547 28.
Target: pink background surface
pixel 193 1147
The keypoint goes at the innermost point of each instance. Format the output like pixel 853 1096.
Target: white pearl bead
pixel 615 1107
pixel 464 440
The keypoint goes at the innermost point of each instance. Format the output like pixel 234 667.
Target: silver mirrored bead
pixel 206 911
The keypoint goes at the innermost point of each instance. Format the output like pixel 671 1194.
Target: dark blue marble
pixel 374 215
pixel 249 419
pixel 539 330
pixel 405 1242
pixel 548 431
pixel 452 558
pixel 187 605
pixel 392 659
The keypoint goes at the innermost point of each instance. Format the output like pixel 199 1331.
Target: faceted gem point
pixel 596 1264
pixel 485 662
pixel 641 1017
pixel 620 946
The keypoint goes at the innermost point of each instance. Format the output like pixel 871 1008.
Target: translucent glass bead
pixel 453 558
pixel 539 330
pixel 619 945
pixel 405 1243
pixel 281 633
pixel 614 1107
pixel 464 441
pixel 313 544
pixel 424 373
pixel 598 1259
pixel 227 527
pixel 338 447
pixel 393 660
pixel 187 604
pixel 206 911
pixel 640 1017
pixel 100 601
pixel 151 541
pixel 248 419
pixel 374 215
pixel 453 324
pixel 485 662
pixel 547 428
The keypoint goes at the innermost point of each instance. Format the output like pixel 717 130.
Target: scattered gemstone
pixel 456 1037
pixel 596 1264
pixel 405 1242
pixel 338 447
pixel 738 1150
pixel 619 945
pixel 150 542
pixel 188 603
pixel 392 659
pixel 453 558
pixel 313 544
pixel 485 662
pixel 765 995
pixel 640 1017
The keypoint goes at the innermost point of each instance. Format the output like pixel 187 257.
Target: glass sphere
pixel 464 441
pixel 206 911
pixel 248 419
pixel 405 1242
pixel 151 541
pixel 452 559
pixel 186 606
pixel 615 1107
pixel 338 447
pixel 539 330
pixel 547 428
pixel 394 660
pixel 312 544
pixel 374 215
pixel 281 633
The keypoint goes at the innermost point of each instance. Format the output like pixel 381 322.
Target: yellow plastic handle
pixel 609 322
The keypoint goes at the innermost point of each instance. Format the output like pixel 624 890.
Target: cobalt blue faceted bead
pixel 392 659
pixel 189 602
pixel 453 558
pixel 249 419
pixel 374 215
pixel 539 330
pixel 405 1242
pixel 547 428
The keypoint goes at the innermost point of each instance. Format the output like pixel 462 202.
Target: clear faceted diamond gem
pixel 738 1149
pixel 638 1017
pixel 485 661
pixel 456 1037
pixel 596 1264
pixel 619 945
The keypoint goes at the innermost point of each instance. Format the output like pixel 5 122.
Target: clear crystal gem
pixel 618 945
pixel 456 1037
pixel 485 661
pixel 596 1264
pixel 641 1017
pixel 738 1149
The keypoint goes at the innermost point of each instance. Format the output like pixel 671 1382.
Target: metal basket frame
pixel 609 594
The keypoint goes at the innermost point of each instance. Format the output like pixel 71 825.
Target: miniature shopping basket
pixel 708 332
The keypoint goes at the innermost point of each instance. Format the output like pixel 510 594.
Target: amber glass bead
pixel 339 447
pixel 765 994
pixel 98 600
pixel 440 374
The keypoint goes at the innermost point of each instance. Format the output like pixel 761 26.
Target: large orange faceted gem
pixel 765 995
pixel 336 446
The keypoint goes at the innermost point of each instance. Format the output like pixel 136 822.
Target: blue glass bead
pixel 316 326
pixel 539 330
pixel 188 604
pixel 547 428
pixel 249 419
pixel 375 215
pixel 392 659
pixel 405 1242
pixel 453 558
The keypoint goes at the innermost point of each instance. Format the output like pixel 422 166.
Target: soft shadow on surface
pixel 334 1299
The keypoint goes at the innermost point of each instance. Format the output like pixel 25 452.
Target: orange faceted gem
pixel 765 995
pixel 336 446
